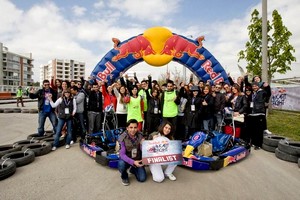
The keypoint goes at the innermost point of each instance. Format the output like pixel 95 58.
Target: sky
pixel 82 29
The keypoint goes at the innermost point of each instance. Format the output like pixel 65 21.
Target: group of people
pixel 148 109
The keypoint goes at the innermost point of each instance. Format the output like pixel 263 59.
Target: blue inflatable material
pixel 185 51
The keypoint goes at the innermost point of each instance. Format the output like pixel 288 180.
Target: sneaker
pixel 256 148
pixel 62 136
pixel 125 182
pixel 67 146
pixel 129 171
pixel 53 148
pixel 171 177
pixel 72 142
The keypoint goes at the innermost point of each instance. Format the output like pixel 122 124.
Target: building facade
pixel 15 70
pixel 62 69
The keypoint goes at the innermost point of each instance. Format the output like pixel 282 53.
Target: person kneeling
pixel 165 129
pixel 131 154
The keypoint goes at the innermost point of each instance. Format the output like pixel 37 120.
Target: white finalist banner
pixel 162 151
pixel 286 98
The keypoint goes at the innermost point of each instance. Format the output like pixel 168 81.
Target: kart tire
pixel 17 110
pixel 290 147
pixel 39 149
pixel 8 110
pixel 21 158
pixel 25 111
pixel 268 148
pixel 272 140
pixel 21 143
pixel 5 149
pixel 7 168
pixel 102 160
pixel 36 136
pixel 286 157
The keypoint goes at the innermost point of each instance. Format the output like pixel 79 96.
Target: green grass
pixel 284 123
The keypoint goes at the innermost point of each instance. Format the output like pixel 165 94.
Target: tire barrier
pixel 36 136
pixel 62 141
pixel 290 147
pixel 22 143
pixel 286 157
pixel 5 149
pixel 21 158
pixel 7 168
pixel 268 148
pixel 39 149
pixel 273 140
pixel 18 110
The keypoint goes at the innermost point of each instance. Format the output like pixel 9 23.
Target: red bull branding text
pixel 108 70
pixel 215 77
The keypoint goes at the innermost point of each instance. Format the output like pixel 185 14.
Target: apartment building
pixel 15 70
pixel 62 69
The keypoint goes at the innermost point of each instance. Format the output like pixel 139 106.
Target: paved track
pixel 71 174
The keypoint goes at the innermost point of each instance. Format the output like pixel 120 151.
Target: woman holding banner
pixel 165 129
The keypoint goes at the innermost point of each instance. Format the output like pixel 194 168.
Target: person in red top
pixel 109 96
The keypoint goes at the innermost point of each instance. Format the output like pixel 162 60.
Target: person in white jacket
pixel 165 129
pixel 66 109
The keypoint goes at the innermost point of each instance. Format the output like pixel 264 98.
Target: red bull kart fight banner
pixel 286 98
pixel 161 151
pixel 158 46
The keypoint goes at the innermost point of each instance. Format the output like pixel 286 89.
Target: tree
pixel 280 51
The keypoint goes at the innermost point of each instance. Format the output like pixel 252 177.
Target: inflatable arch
pixel 158 46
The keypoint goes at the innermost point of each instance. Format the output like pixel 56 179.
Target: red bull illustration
pixel 158 46
pixel 178 45
pixel 138 47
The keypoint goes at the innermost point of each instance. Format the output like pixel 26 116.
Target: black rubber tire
pixel 1 110
pixel 17 110
pixel 21 143
pixel 62 141
pixel 36 136
pixel 290 147
pixel 299 162
pixel 8 110
pixel 286 157
pixel 272 140
pixel 21 158
pixel 33 111
pixel 268 148
pixel 25 111
pixel 7 168
pixel 39 149
pixel 5 149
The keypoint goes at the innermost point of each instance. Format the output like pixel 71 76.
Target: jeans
pixel 94 121
pixel 219 119
pixel 139 172
pixel 42 119
pixel 60 125
pixel 80 117
pixel 207 124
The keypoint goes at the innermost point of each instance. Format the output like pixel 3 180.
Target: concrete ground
pixel 71 174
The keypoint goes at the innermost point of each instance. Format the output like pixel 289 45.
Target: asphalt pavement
pixel 71 174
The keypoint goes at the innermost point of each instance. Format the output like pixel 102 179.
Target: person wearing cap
pixel 257 118
pixel 192 111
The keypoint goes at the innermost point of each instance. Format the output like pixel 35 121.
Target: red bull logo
pixel 138 47
pixel 215 77
pixel 108 70
pixel 176 46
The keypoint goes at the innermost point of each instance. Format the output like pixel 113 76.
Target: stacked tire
pixel 288 151
pixel 270 142
pixel 23 152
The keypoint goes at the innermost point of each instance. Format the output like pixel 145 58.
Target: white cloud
pixel 100 4
pixel 154 10
pixel 78 10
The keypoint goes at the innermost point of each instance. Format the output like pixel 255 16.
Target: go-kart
pixel 225 150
